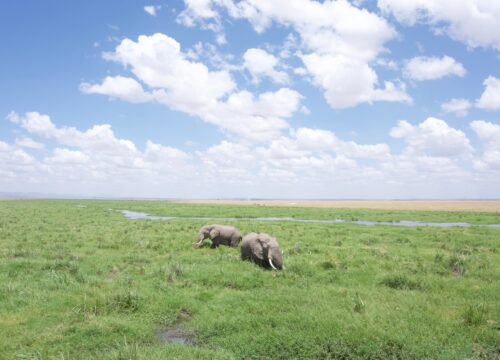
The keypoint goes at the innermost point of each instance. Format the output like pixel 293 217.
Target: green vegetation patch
pixel 85 282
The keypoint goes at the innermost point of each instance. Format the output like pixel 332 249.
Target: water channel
pixel 406 223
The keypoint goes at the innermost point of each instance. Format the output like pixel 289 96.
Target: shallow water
pixel 139 215
pixel 175 335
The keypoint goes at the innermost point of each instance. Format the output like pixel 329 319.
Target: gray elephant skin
pixel 219 234
pixel 262 249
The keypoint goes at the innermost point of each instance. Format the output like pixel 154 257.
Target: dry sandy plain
pixel 429 205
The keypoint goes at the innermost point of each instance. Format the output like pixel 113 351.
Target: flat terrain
pixel 80 281
pixel 427 205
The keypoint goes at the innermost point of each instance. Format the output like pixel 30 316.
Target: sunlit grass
pixel 84 282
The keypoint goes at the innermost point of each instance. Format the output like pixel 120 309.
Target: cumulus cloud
pixel 158 62
pixel 152 9
pixel 262 64
pixel 338 39
pixel 29 143
pixel 307 162
pixel 429 68
pixel 254 118
pixel 16 165
pixel 88 157
pixel 473 22
pixel 99 138
pixel 458 106
pixel 119 87
pixel 333 27
pixel 433 137
pixel 490 99
pixel 324 140
pixel 34 122
pixel 348 82
pixel 66 156
pixel 10 155
pixel 489 134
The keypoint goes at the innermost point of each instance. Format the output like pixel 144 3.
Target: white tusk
pixel 272 265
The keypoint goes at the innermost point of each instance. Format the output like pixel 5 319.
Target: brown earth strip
pixel 428 205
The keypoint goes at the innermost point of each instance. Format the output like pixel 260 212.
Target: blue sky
pixel 251 98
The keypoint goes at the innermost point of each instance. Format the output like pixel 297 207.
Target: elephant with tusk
pixel 262 249
pixel 219 234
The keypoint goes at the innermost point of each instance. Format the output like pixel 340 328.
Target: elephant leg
pixel 215 243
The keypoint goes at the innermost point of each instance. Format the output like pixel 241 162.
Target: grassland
pixel 85 283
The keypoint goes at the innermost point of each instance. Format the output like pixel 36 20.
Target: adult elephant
pixel 262 249
pixel 219 234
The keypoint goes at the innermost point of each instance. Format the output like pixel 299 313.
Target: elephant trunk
pixel 199 240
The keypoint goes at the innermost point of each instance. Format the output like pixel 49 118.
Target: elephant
pixel 219 234
pixel 262 249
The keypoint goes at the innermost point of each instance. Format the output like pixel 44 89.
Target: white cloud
pixel 307 163
pixel 348 82
pixel 198 9
pixel 94 157
pixel 29 143
pixel 333 27
pixel 160 64
pixel 261 64
pixel 330 31
pixel 490 99
pixel 66 156
pixel 430 68
pixel 473 22
pixel 324 140
pixel 34 122
pixel 158 61
pixel 10 155
pixel 119 87
pixel 152 9
pixel 163 154
pixel 99 138
pixel 255 118
pixel 489 134
pixel 433 137
pixel 201 12
pixel 458 106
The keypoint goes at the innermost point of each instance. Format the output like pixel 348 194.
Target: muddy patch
pixel 176 335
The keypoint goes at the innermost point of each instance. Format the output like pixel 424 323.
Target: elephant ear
pixel 263 241
pixel 214 233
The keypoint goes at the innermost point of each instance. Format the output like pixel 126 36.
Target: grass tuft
pixel 474 315
pixel 401 282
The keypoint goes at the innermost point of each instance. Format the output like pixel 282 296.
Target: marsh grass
pixel 84 282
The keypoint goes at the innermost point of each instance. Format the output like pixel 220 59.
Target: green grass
pixel 86 283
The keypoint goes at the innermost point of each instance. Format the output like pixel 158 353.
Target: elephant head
pixel 262 249
pixel 207 231
pixel 271 251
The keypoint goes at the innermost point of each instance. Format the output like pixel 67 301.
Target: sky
pixel 359 99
